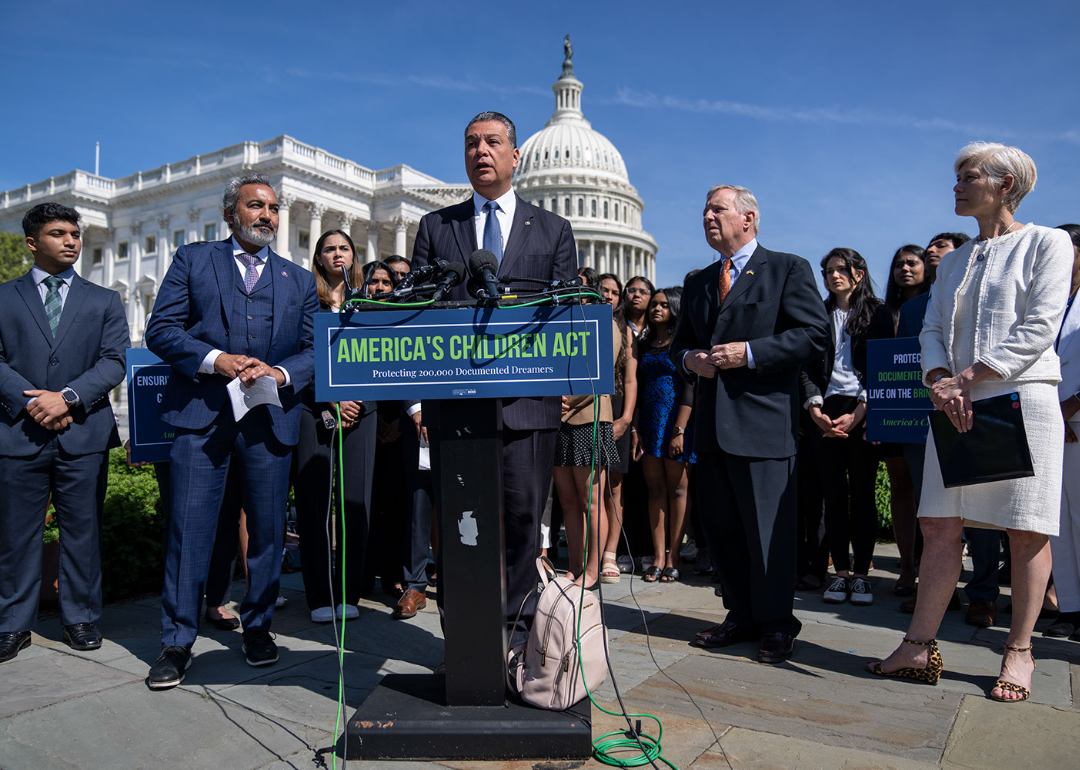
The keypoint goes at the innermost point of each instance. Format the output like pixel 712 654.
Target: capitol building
pixel 133 225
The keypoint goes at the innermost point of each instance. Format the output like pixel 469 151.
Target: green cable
pixel 605 747
pixel 341 645
pixel 358 300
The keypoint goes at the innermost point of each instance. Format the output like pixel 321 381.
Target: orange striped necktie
pixel 725 280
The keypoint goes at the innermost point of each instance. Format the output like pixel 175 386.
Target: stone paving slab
pixel 633 665
pixel 752 750
pixel 131 727
pixel 791 700
pixel 990 735
pixel 34 681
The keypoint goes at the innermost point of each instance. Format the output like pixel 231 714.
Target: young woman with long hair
pixel 834 391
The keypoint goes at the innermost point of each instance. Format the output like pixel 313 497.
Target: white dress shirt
pixel 505 215
pixel 261 256
pixel 738 264
pixel 843 382
pixel 39 277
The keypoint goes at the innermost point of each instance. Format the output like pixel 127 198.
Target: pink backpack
pixel 548 673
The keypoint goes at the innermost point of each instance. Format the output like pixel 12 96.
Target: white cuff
pixel 414 408
pixel 813 401
pixel 750 357
pixel 207 365
pixel 288 379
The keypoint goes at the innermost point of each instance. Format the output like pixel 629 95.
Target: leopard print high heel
pixel 1001 684
pixel 929 675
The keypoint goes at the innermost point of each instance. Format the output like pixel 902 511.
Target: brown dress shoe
pixel 981 613
pixel 410 603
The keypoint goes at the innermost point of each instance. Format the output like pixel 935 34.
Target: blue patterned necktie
pixel 251 274
pixel 53 305
pixel 493 231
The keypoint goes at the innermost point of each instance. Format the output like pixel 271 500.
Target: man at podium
pixel 529 242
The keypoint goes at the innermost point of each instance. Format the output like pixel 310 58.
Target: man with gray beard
pixel 229 310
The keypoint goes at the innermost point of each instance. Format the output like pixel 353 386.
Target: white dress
pixel 975 276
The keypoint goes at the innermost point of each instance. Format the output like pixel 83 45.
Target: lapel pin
pixel 749 272
pixel 284 274
pixel 527 223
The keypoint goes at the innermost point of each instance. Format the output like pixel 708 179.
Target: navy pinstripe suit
pixel 202 306
pixel 540 246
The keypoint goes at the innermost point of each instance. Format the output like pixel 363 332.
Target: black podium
pixel 468 712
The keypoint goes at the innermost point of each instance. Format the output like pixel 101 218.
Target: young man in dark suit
pixel 62 342
pixel 227 310
pixel 749 322
pixel 529 242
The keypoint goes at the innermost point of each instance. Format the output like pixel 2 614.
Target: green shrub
pixel 882 497
pixel 132 563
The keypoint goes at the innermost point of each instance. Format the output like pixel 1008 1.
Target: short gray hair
pixel 498 117
pixel 232 191
pixel 997 160
pixel 745 201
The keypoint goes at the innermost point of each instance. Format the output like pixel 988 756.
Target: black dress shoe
pixel 230 623
pixel 11 643
pixel 168 670
pixel 724 635
pixel 259 647
pixel 776 647
pixel 82 636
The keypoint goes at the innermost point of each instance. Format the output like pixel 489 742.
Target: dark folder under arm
pixel 995 449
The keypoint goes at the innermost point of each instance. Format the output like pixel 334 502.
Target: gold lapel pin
pixel 527 223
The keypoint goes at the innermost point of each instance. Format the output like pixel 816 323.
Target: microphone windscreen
pixel 482 258
pixel 458 271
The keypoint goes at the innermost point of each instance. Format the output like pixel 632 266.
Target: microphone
pixel 419 275
pixel 485 265
pixel 450 275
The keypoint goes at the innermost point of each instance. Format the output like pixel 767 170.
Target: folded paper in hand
pixel 995 449
pixel 244 398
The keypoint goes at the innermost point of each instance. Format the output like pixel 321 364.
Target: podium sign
pixel 464 353
pixel 147 375
pixel 897 403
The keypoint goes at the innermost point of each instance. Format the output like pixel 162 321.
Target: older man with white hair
pixel 749 322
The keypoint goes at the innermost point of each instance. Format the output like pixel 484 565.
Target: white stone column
pixel 109 254
pixel 193 233
pixel 317 210
pixel 592 255
pixel 165 251
pixel 135 320
pixel 281 244
pixel 371 252
pixel 345 223
pixel 401 234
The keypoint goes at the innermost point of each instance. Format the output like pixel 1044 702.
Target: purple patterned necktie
pixel 251 274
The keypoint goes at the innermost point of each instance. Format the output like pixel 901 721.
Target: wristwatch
pixel 939 377
pixel 679 431
pixel 71 398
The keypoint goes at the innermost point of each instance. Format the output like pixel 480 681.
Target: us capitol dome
pixel 575 171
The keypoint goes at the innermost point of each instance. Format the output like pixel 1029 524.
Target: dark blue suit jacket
pixel 86 355
pixel 541 246
pixel 191 318
pixel 775 306
pixel 912 314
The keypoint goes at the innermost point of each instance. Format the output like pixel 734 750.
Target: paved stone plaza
pixel 62 709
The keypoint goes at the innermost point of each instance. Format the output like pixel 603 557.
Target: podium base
pixel 405 718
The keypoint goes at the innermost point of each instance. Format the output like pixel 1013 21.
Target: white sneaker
pixel 837 592
pixel 689 550
pixel 322 615
pixel 860 591
pixel 280 602
pixel 625 564
pixel 351 611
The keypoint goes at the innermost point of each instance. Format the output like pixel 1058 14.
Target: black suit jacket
pixel 816 374
pixel 541 246
pixel 87 355
pixel 776 308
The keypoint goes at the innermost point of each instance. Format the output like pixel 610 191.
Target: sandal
pixel 669 575
pixel 652 574
pixel 1001 684
pixel 609 568
pixel 929 675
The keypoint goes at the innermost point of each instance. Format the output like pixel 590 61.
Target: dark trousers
pixel 76 485
pixel 316 465
pixel 984 544
pixel 749 513
pixel 200 463
pixel 219 576
pixel 812 550
pixel 847 468
pixel 415 544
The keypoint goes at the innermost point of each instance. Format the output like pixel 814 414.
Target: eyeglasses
pixel 638 291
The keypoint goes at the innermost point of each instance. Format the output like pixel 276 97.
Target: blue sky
pixel 843 117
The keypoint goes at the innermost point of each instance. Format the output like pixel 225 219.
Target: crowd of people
pixel 737 422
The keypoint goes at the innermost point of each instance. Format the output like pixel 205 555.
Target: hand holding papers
pixel 244 398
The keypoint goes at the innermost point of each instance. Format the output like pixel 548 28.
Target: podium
pixel 462 360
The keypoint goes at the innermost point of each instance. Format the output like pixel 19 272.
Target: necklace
pixel 1007 229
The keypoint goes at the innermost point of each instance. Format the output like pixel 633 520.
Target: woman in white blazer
pixel 990 329
pixel 1066 546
